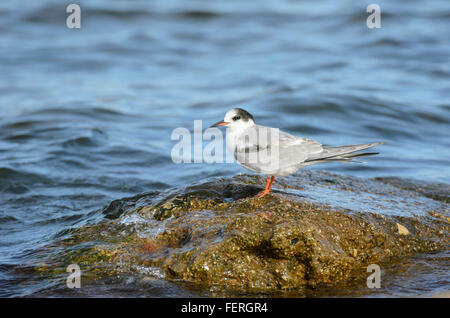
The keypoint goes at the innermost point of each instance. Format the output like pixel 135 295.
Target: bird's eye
pixel 236 118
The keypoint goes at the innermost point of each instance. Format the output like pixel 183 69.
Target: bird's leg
pixel 268 187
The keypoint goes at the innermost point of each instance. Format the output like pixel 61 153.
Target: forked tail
pixel 342 153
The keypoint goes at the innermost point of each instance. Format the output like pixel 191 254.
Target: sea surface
pixel 86 115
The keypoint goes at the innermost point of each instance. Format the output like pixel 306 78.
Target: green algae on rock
pixel 215 235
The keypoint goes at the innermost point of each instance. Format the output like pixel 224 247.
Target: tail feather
pixel 350 158
pixel 343 153
pixel 354 155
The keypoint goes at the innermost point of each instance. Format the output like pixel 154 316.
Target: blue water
pixel 87 114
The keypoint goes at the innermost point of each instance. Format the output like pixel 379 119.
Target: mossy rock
pixel 215 234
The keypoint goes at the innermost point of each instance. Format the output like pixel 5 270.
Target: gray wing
pixel 272 151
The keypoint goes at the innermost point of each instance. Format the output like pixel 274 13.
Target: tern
pixel 275 153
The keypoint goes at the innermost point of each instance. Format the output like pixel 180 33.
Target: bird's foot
pixel 262 193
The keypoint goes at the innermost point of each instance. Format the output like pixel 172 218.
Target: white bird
pixel 275 153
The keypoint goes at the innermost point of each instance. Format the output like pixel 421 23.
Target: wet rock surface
pixel 315 228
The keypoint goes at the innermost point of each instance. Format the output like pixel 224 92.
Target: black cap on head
pixel 245 115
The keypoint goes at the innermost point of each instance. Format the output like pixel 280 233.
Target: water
pixel 86 115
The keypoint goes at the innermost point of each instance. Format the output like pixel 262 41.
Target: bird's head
pixel 236 118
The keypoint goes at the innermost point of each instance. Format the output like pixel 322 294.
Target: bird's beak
pixel 219 123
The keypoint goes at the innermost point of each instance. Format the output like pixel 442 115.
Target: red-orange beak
pixel 219 123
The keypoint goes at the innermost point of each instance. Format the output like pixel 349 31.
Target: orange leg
pixel 267 189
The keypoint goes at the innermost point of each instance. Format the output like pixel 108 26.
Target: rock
pixel 214 234
pixel 402 230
